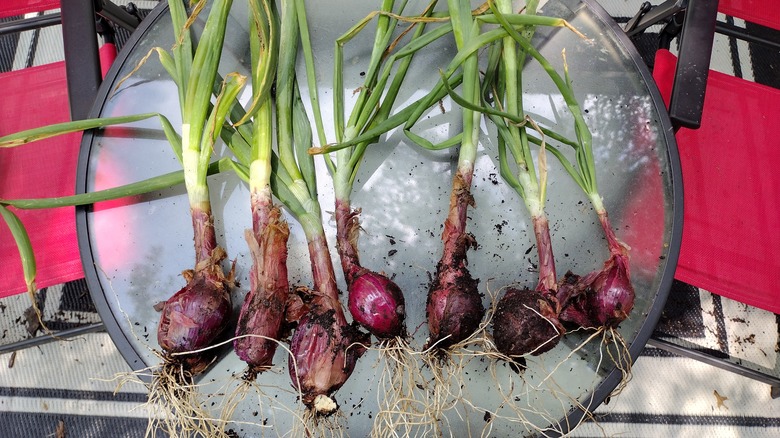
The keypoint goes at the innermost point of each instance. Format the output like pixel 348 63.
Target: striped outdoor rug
pixel 67 384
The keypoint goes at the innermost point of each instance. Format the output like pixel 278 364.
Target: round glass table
pixel 135 249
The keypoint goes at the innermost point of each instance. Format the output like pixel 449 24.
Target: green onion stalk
pixel 198 313
pixel 15 225
pixel 261 319
pixel 525 321
pixel 411 114
pixel 324 347
pixel 375 301
pixel 605 297
pixel 454 307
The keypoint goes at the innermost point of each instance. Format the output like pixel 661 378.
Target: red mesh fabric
pixel 765 13
pixel 36 97
pixel 10 8
pixel 731 232
pixel 107 53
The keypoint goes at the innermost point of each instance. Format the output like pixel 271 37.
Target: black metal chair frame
pixel 79 32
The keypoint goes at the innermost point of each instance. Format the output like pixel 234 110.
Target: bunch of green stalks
pixel 454 306
pixel 324 348
pixel 526 320
pixel 446 326
pixel 531 321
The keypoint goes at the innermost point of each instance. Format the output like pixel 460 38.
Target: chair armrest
pixel 690 81
pixel 82 64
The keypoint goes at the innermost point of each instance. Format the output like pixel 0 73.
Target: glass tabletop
pixel 134 250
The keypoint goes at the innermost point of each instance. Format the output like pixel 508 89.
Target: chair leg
pixel 723 364
pixel 54 336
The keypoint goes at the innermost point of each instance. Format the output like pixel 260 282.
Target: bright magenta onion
pixel 377 304
pixel 375 301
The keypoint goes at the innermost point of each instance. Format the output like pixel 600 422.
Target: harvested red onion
pixel 603 298
pixel 378 305
pixel 526 322
pixel 324 347
pixel 262 314
pixel 197 314
pixel 454 308
pixel 375 301
pixel 325 351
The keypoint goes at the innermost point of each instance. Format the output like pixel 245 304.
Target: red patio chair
pixel 729 144
pixel 38 94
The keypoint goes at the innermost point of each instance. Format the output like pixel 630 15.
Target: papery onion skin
pixel 615 297
pixel 260 322
pixel 324 347
pixel 603 298
pixel 454 308
pixel 325 350
pixel 197 314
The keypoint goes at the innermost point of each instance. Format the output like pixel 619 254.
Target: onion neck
pixel 203 224
pixel 347 233
pixel 455 224
pixel 321 264
pixel 616 247
pixel 547 278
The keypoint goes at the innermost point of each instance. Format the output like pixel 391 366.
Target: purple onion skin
pixel 526 322
pixel 377 304
pixel 612 298
pixel 194 317
pixel 323 351
pixel 615 294
pixel 375 301
pixel 263 311
pixel 197 314
pixel 324 347
pixel 454 308
pixel 547 276
pixel 575 308
pixel 603 298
